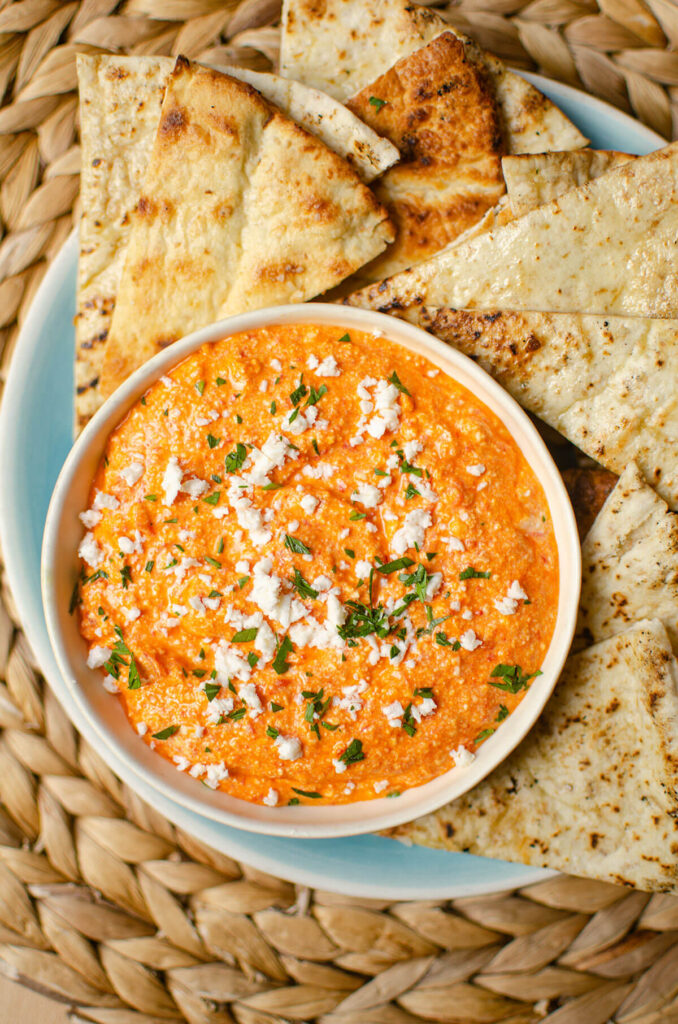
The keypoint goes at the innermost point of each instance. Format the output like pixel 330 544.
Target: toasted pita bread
pixel 535 179
pixel 120 100
pixel 340 46
pixel 240 208
pixel 588 488
pixel 592 789
pixel 629 563
pixel 606 247
pixel 607 384
pixel 439 110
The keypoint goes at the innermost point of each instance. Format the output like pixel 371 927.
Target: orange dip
pixel 316 568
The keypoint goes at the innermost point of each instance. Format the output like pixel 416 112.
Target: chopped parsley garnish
pixel 293 802
pixel 280 663
pixel 513 678
pixel 315 446
pixel 353 753
pixel 350 552
pixel 316 708
pixel 303 587
pixel 272 486
pixel 380 472
pixel 100 574
pixel 315 396
pixel 483 735
pixel 273 408
pixel 244 636
pixel 272 732
pixel 431 555
pixel 213 562
pixel 165 734
pixel 212 499
pixel 363 621
pixel 502 713
pixel 408 723
pixel 377 103
pixel 398 563
pixel 174 520
pixel 357 515
pixel 299 392
pixel 150 497
pixel 329 726
pixel 238 418
pixel 235 459
pixel 212 440
pixel 411 491
pixel 211 690
pixel 473 574
pixel 304 792
pixel 293 415
pixel 252 659
pixel 236 714
pixel 149 565
pixel 276 707
pixel 423 691
pixel 395 379
pixel 443 640
pixel 126 574
pixel 344 338
pixel 200 386
pixel 396 792
pixel 220 545
pixel 242 581
pixel 220 382
pixel 296 545
pixel 198 673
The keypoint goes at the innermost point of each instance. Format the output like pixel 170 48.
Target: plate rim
pixel 57 274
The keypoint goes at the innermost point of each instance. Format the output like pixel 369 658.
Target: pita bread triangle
pixel 120 101
pixel 240 208
pixel 607 247
pixel 629 563
pixel 533 179
pixel 608 384
pixel 592 790
pixel 340 46
pixel 438 108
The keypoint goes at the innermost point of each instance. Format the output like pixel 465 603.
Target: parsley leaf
pixel 377 103
pixel 212 440
pixel 211 690
pixel 235 459
pixel 353 753
pixel 304 792
pixel 395 379
pixel 513 678
pixel 303 587
pixel 398 563
pixel 165 734
pixel 244 636
pixel 296 545
pixel 473 574
pixel 280 663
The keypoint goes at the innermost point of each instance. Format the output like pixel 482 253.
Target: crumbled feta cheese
pixel 289 748
pixel 131 614
pixel 98 656
pixel 90 518
pixel 90 551
pixel 171 481
pixel 379 787
pixel 312 362
pixel 455 544
pixel 469 641
pixel 167 381
pixel 516 592
pixel 243 566
pixel 467 614
pixel 181 762
pixel 476 470
pixel 362 568
pixel 276 365
pixel 367 494
pixel 195 487
pixel 129 546
pixel 433 586
pixel 102 500
pixel 411 449
pixel 338 765
pixel 132 473
pixel 248 694
pixel 216 773
pixel 218 707
pixel 462 757
pixel 111 684
pixel 506 606
pixel 263 386
pixel 197 770
pixel 142 728
pixel 394 713
pixel 272 797
pixel 328 368
pixel 293 526
pixel 412 532
pixel 309 504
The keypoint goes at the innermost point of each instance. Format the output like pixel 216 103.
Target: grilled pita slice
pixel 629 563
pixel 588 488
pixel 533 179
pixel 607 384
pixel 592 789
pixel 606 247
pixel 240 208
pixel 439 110
pixel 340 46
pixel 120 100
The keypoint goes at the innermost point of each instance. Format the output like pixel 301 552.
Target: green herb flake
pixel 315 396
pixel 310 795
pixel 272 486
pixel 315 446
pixel 273 409
pixel 483 735
pixel 357 515
pixel 165 734
pixel 395 379
pixel 299 392
pixel 276 707
pixel 399 563
pixel 213 562
pixel 350 552
pixel 212 440
pixel 344 338
pixel 252 659
pixel 220 382
pixel 200 386
pixel 220 545
pixel 502 713
pixel 293 802
pixel 473 574
pixel 126 574
pixel 303 587
pixel 411 491
pixel 353 753
pixel 296 545
pixel 244 636
pixel 377 103
pixel 280 663
pixel 513 678
pixel 242 581
pixel 235 459
pixel 237 714
pixel 150 497
pixel 149 565
pixel 212 499
pixel 272 732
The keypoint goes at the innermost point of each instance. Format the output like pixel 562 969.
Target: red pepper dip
pixel 316 569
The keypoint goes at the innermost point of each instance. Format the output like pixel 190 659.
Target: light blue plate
pixel 36 430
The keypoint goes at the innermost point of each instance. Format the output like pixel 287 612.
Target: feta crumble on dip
pixel 300 594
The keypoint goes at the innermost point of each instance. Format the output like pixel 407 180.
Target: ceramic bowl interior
pixel 105 714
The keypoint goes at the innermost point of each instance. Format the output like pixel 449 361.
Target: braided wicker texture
pixel 103 904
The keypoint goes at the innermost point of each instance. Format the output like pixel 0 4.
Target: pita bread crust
pixel 607 384
pixel 120 100
pixel 341 45
pixel 240 208
pixel 439 110
pixel 592 789
pixel 607 247
pixel 629 563
pixel 535 179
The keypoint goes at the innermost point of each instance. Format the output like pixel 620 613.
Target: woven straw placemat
pixel 106 906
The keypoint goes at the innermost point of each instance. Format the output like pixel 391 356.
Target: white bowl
pixel 63 532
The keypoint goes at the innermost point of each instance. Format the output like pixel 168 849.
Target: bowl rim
pixel 304 821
